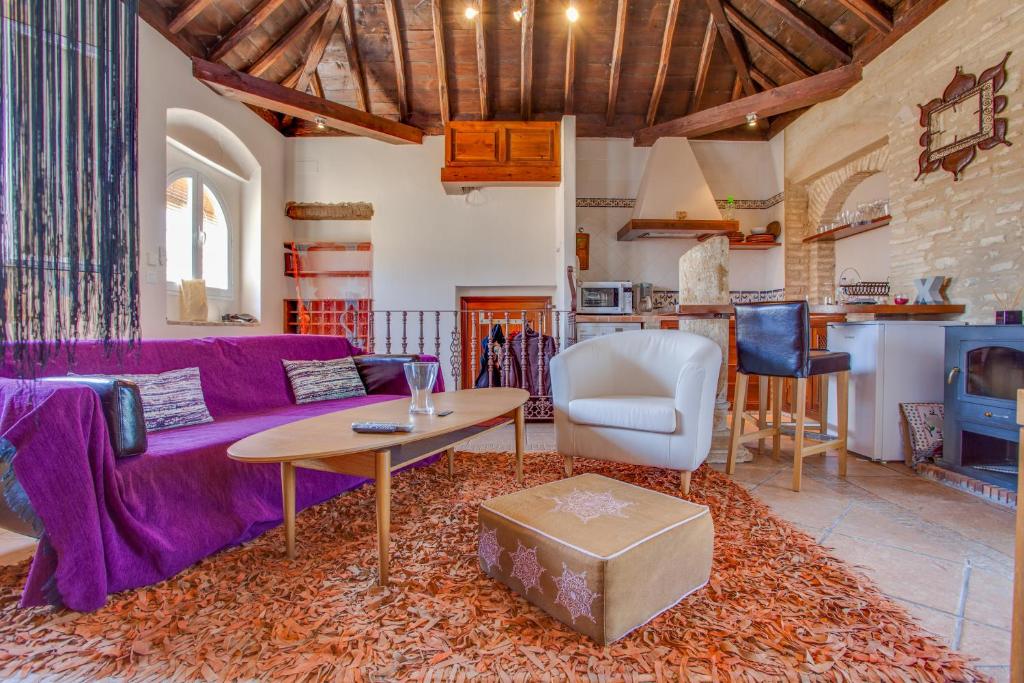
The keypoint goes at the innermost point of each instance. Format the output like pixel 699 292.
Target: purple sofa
pixel 111 524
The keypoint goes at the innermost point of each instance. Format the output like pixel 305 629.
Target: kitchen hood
pixel 673 181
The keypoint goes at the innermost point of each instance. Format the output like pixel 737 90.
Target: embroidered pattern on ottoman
pixel 574 594
pixel 526 568
pixel 490 549
pixel 589 505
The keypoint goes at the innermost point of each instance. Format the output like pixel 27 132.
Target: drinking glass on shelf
pixel 421 378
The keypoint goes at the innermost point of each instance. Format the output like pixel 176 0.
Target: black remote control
pixel 381 427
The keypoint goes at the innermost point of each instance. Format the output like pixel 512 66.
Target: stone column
pixel 704 279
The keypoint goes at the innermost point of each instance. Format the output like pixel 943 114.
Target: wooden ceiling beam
pixel 906 19
pixel 437 24
pixel 763 79
pixel 276 97
pixel 616 63
pixel 872 12
pixel 249 23
pixel 767 43
pixel 671 19
pixel 732 46
pixel 269 58
pixel 569 103
pixel 812 29
pixel 481 64
pixel 737 89
pixel 186 14
pixel 395 36
pixel 316 85
pixel 796 95
pixel 156 16
pixel 526 60
pixel 703 65
pixel 301 76
pixel 355 61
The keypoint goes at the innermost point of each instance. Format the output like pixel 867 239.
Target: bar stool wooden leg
pixel 798 438
pixel 762 408
pixel 823 418
pixel 739 401
pixel 776 416
pixel 842 407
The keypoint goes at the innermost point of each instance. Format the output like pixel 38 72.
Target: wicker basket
pixel 866 289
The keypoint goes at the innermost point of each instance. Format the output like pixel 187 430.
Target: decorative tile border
pixel 629 202
pixel 666 298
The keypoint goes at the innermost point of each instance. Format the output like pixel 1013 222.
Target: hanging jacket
pixel 539 347
pixel 495 342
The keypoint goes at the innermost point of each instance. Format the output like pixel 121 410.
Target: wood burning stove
pixel 984 369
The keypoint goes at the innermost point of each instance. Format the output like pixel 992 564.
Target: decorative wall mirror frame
pixel 963 120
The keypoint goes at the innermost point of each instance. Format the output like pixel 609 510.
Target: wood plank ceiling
pixel 624 66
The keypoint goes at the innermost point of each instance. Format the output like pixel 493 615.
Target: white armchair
pixel 644 397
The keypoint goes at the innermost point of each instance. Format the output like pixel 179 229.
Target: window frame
pixel 199 181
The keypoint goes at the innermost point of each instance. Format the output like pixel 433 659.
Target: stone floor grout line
pixel 836 522
pixel 764 481
pixel 961 606
pixel 883 544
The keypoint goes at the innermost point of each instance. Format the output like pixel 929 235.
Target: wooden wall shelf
pixel 338 211
pixel 754 246
pixel 327 246
pixel 330 273
pixel 844 231
pixel 656 228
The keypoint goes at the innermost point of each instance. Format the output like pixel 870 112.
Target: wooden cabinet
pixel 479 153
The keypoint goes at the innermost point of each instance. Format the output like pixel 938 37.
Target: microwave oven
pixel 606 297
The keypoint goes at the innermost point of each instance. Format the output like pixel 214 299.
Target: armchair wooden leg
pixel 739 401
pixel 568 465
pixel 450 453
pixel 762 408
pixel 842 407
pixel 684 483
pixel 823 417
pixel 798 438
pixel 776 416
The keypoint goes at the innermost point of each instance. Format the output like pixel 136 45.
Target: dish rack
pixel 860 291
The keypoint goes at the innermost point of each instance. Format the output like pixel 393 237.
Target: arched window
pixel 198 237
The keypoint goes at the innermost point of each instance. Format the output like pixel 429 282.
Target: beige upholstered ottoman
pixel 602 556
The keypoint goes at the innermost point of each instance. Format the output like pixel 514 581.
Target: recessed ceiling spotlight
pixel 572 14
pixel 321 122
pixel 471 12
pixel 752 119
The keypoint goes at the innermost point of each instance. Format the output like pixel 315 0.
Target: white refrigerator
pixel 891 362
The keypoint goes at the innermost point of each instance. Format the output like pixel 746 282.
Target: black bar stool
pixel 773 343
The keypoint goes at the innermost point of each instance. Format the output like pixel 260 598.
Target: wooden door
pixel 481 313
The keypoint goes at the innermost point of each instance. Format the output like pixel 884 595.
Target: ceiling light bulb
pixel 321 122
pixel 517 15
pixel 471 12
pixel 752 119
pixel 572 14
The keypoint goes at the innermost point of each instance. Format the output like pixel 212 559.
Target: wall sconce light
pixel 320 122
pixel 471 12
pixel 752 119
pixel 572 14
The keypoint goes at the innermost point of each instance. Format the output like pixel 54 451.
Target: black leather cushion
pixel 827 362
pixel 384 374
pixel 122 407
pixel 773 338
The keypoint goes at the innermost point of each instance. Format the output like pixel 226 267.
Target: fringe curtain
pixel 69 218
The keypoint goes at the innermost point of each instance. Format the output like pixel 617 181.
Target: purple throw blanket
pixel 112 524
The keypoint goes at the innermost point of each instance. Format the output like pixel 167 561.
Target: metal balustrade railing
pixel 466 342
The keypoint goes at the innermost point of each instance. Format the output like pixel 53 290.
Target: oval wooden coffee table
pixel 327 443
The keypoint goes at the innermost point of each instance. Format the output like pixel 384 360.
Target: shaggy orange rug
pixel 777 606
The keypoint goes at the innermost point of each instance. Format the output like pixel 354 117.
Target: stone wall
pixel 972 230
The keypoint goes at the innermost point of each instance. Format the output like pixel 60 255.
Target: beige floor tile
pixel 988 598
pixel 15 547
pixel 935 622
pixel 815 506
pixel 990 645
pixel 901 574
pixel 966 514
pixel 999 674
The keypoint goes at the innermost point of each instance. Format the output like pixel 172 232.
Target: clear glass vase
pixel 421 378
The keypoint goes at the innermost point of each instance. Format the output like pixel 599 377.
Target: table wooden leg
pixel 288 502
pixel 776 416
pixel 383 483
pixel 762 408
pixel 520 442
pixel 450 454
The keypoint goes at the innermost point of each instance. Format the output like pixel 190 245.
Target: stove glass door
pixel 994 372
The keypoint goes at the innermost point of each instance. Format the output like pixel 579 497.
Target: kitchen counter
pixel 886 311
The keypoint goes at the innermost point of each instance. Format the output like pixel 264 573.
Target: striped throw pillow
pixel 324 380
pixel 171 399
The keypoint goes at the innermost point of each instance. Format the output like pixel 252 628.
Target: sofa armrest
pixel 384 374
pixel 122 408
